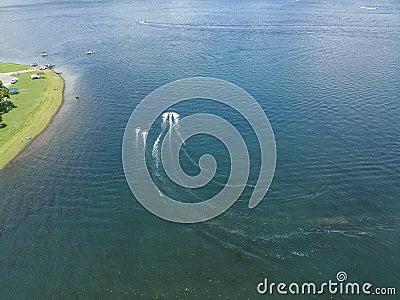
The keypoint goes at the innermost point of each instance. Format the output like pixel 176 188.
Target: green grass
pixel 29 97
pixel 11 67
pixel 37 102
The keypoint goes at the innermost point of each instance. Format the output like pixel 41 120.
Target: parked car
pixel 15 80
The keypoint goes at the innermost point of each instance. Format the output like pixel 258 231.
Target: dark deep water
pixel 325 72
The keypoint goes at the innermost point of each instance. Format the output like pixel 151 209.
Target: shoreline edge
pixel 42 116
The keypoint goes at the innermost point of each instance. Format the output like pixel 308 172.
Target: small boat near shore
pixel 43 54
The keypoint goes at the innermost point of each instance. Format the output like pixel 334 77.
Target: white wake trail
pixel 137 131
pixel 144 135
pixel 155 152
pixel 169 121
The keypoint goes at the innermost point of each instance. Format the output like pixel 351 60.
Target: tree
pixel 5 103
pixel 4 93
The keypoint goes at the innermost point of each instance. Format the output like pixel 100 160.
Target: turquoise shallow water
pixel 326 74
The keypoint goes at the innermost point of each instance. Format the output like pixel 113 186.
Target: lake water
pixel 325 72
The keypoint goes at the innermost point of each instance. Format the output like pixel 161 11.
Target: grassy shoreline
pixel 49 96
pixel 12 67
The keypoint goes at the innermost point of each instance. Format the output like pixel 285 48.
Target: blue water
pixel 325 72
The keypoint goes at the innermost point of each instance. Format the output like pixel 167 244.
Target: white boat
pixel 89 52
pixel 44 54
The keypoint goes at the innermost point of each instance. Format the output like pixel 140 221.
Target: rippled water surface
pixel 325 72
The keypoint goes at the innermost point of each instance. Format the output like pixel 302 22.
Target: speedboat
pixel 44 54
pixel 89 52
